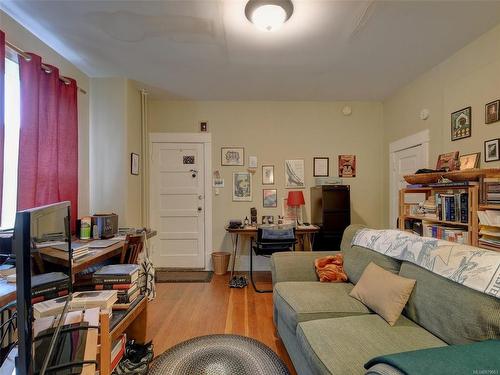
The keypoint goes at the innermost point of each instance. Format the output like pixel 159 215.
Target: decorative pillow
pixel 383 292
pixel 330 268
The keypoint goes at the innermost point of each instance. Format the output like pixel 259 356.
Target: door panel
pixel 178 205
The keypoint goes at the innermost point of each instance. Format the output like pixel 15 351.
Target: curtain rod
pixel 47 69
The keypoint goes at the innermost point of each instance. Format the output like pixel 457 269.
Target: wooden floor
pixel 185 310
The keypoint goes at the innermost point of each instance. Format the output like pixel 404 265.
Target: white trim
pixel 206 140
pixel 410 141
pixel 419 139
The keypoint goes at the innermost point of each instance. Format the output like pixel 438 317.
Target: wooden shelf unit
pixel 473 204
pixel 132 321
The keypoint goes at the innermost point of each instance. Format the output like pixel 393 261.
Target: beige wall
pixel 468 78
pixel 114 134
pixel 19 36
pixel 275 131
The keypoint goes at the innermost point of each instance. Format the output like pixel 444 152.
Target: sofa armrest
pixel 296 266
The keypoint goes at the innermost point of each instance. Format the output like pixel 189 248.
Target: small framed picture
pixel 448 161
pixel 242 187
pixel 461 124
pixel 134 164
pixel 491 112
pixel 321 167
pixel 470 161
pixel 270 198
pixel 294 174
pixel 268 175
pixel 347 165
pixel 232 156
pixel 491 150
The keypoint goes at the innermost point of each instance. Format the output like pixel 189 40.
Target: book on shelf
pixel 489 190
pixel 113 286
pixel 48 286
pixel 117 274
pixel 453 207
pixel 445 233
pixel 489 218
pixel 453 184
pixel 118 350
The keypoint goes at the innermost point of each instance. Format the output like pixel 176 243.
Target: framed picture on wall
pixel 242 187
pixel 491 112
pixel 134 164
pixel 268 175
pixel 232 156
pixel 321 167
pixel 461 124
pixel 347 165
pixel 491 150
pixel 294 174
pixel 269 198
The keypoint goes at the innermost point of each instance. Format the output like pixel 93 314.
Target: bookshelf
pixel 450 212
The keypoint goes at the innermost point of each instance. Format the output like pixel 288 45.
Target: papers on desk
pixel 79 249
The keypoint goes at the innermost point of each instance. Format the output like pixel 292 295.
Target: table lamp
pixel 296 199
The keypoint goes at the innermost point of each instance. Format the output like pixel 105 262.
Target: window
pixel 11 151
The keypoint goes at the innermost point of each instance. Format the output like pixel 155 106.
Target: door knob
pixel 194 172
pixel 200 209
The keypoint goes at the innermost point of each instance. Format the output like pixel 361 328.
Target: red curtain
pixel 2 117
pixel 48 139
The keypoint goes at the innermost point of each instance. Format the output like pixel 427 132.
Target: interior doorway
pixel 406 156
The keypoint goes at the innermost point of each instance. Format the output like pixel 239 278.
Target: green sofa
pixel 325 331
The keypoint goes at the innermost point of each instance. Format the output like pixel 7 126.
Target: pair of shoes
pixel 238 282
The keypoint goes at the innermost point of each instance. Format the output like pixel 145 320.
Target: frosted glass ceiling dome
pixel 268 15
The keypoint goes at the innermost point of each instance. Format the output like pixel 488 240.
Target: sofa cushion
pixel 453 312
pixel 342 346
pixel 296 302
pixel 383 292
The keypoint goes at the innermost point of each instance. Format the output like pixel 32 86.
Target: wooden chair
pixel 133 247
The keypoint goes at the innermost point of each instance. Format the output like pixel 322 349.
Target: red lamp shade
pixel 295 198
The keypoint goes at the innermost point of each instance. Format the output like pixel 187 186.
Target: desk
pixel 95 256
pixel 303 234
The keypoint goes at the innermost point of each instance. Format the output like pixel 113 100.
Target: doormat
pixel 163 276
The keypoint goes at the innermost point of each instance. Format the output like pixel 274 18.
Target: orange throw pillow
pixel 330 268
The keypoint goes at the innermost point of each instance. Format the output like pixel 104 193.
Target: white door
pixel 404 162
pixel 178 204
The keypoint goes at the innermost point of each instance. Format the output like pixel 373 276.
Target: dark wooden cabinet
pixel 331 211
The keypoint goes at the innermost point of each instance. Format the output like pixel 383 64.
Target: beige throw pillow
pixel 383 292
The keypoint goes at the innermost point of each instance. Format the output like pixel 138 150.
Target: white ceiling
pixel 207 50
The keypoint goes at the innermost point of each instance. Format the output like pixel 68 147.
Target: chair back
pixel 271 240
pixel 134 245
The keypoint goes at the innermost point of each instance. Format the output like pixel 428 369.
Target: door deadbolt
pixel 200 209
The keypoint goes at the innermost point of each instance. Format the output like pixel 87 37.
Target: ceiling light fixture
pixel 268 15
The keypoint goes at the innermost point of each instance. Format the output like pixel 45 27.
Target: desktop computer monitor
pixel 31 226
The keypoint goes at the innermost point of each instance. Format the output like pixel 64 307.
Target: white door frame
pixel 419 139
pixel 206 140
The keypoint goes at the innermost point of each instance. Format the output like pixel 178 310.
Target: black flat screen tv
pixel 32 225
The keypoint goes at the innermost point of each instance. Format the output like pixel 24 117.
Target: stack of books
pixel 122 278
pixel 489 229
pixel 48 286
pixel 441 232
pixel 80 301
pixel 118 350
pixel 490 190
pixel 80 249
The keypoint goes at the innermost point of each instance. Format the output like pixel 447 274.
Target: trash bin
pixel 220 260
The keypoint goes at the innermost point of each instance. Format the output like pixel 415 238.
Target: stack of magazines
pixel 122 278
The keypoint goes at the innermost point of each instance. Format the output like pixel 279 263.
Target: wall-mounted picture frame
pixel 242 187
pixel 269 198
pixel 268 175
pixel 492 112
pixel 461 124
pixel 134 164
pixel 347 165
pixel 492 150
pixel 232 156
pixel 448 161
pixel 294 174
pixel 470 161
pixel 321 166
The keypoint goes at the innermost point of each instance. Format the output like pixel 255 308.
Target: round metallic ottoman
pixel 219 355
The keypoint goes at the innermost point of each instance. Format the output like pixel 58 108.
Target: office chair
pixel 269 241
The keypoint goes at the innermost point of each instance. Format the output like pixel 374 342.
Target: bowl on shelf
pixel 423 178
